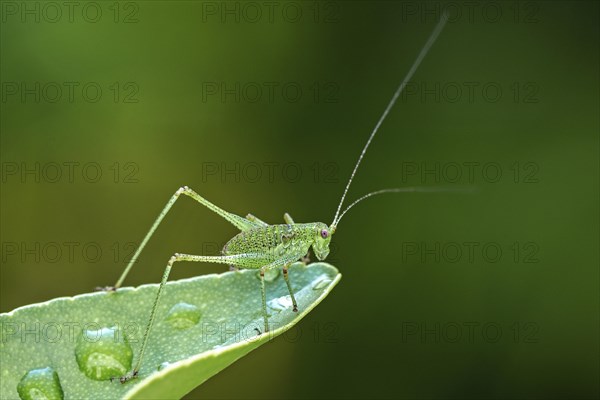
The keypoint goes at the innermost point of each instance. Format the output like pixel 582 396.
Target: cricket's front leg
pixel 264 298
pixel 275 264
pixel 287 282
pixel 105 289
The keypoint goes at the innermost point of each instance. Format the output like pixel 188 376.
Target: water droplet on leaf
pixel 183 315
pixel 322 284
pixel 280 303
pixel 103 354
pixel 40 384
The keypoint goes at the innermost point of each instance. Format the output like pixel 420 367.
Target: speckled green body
pixel 271 243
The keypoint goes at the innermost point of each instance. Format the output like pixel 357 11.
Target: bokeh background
pixel 264 107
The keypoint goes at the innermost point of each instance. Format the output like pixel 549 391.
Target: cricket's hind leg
pixel 241 223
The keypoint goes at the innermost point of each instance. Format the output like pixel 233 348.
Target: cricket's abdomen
pixel 271 243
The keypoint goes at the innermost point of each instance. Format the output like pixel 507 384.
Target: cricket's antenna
pixel 436 31
pixel 416 189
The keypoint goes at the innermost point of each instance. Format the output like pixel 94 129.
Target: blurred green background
pixel 264 108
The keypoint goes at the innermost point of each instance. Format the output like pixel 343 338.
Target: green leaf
pixel 203 324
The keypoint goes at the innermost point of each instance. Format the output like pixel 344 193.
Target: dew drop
pixel 103 354
pixel 40 384
pixel 183 315
pixel 322 284
pixel 280 303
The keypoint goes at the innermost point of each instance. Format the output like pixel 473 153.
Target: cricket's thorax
pixel 273 241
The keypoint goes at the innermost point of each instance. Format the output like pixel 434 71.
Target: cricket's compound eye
pixel 324 233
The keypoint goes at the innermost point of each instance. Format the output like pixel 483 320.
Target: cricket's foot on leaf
pixel 306 259
pixel 126 378
pixel 105 289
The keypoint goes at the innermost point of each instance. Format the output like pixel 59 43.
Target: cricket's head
pixel 321 240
